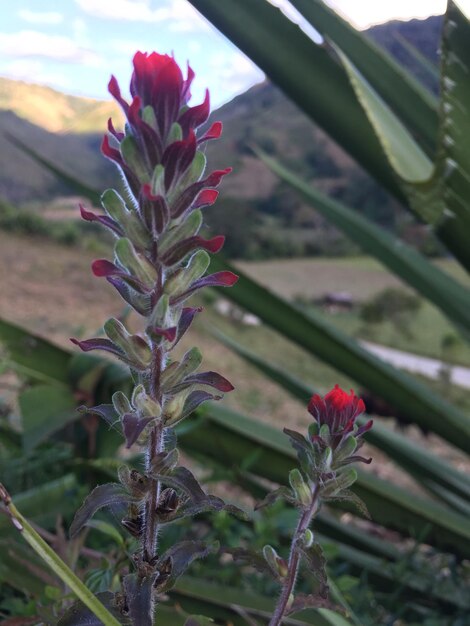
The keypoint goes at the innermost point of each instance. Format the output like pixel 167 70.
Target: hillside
pixel 67 130
pixel 52 110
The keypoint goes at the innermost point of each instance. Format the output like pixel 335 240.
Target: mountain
pixel 67 130
pixel 52 110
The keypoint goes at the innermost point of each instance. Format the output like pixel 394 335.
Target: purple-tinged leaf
pixel 99 343
pixel 104 495
pixel 186 318
pixel 219 279
pixel 105 411
pixel 193 117
pixel 316 563
pixel 183 479
pixel 282 492
pixel 138 593
pixel 194 399
pixel 180 250
pixel 155 211
pixel 80 615
pixel 169 334
pixel 177 157
pixel 187 200
pixel 357 503
pixel 211 503
pixel 139 302
pixel 179 557
pixel 165 462
pixel 103 267
pixel 253 558
pixel 311 601
pixel 212 379
pixel 119 136
pixel 115 91
pixel 106 221
pixel 132 427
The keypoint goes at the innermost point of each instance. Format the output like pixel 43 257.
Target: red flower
pixel 157 113
pixel 339 411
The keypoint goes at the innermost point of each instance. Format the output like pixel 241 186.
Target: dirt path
pixel 431 368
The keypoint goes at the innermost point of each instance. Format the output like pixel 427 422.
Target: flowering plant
pixel 160 261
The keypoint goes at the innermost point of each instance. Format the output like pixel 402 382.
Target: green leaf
pixel 323 340
pixel 59 494
pixel 306 72
pixel 434 284
pixel 37 357
pixel 45 409
pixel 101 496
pixel 391 81
pixel 409 161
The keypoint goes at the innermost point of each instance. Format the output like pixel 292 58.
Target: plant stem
pixel 155 446
pixel 156 443
pixel 294 561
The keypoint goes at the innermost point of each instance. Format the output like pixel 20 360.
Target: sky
pixel 74 45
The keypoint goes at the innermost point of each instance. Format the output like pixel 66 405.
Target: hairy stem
pixel 294 561
pixel 155 446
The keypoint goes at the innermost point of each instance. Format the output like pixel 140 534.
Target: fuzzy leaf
pixel 180 557
pixel 250 557
pixel 103 495
pixel 316 563
pixel 198 620
pixel 187 316
pixel 133 426
pixel 355 500
pixel 303 601
pixel 80 615
pixel 165 462
pixel 181 478
pixel 105 411
pixel 282 492
pixel 212 379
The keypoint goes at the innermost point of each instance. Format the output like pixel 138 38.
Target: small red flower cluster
pixel 160 96
pixel 339 411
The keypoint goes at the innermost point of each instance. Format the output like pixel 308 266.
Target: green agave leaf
pixel 437 286
pixel 409 161
pixel 437 192
pixel 391 81
pixel 221 601
pixel 59 494
pixel 38 358
pixel 423 465
pixel 76 185
pixel 306 72
pixel 45 409
pixel 22 570
pixel 331 345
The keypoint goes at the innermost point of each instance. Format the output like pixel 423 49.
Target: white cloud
pixel 29 43
pixel 38 17
pixel 180 12
pixel 234 70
